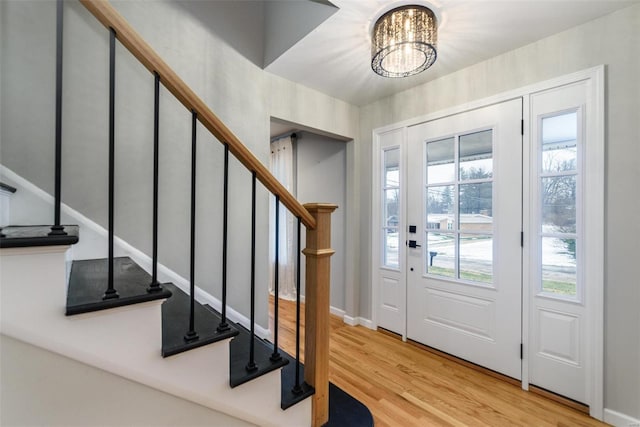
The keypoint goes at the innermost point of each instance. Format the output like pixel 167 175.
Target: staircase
pixel 114 314
pixel 129 340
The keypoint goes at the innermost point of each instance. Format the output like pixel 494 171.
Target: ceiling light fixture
pixel 404 41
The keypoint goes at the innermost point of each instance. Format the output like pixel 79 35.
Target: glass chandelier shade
pixel 404 41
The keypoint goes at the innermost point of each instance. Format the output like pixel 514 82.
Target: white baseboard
pixel 333 310
pixel 355 321
pixel 337 312
pixel 91 246
pixel 618 419
pixel 351 321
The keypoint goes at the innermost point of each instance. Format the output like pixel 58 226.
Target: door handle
pixel 414 244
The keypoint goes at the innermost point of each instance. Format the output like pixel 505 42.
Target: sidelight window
pixel 391 207
pixel 558 182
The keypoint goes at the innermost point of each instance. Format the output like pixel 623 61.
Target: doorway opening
pixel 318 174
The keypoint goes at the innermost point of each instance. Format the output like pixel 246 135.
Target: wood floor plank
pixel 403 385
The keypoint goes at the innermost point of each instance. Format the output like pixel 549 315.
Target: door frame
pixel 594 217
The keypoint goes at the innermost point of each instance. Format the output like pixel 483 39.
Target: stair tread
pixel 22 236
pixel 239 356
pixel 288 379
pixel 239 350
pixel 175 323
pixel 88 282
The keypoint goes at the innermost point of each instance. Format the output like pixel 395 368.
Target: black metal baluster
pixel 223 326
pixel 57 229
pixel 251 365
pixel 155 285
pixel 111 293
pixel 297 388
pixel 276 354
pixel 192 335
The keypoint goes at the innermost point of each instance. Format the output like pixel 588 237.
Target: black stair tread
pixel 288 380
pixel 22 236
pixel 344 409
pixel 239 357
pixel 175 324
pixel 239 350
pixel 88 282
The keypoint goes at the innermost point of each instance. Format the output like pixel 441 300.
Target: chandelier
pixel 404 41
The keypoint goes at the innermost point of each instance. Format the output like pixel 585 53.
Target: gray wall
pixel 612 40
pixel 43 388
pixel 321 177
pixel 239 92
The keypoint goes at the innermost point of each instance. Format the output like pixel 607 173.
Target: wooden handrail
pixel 110 18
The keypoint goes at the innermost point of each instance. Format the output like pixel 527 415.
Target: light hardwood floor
pixel 403 385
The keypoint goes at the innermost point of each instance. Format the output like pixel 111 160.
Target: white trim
pixel 594 239
pixel 355 321
pixel 619 419
pixel 374 250
pixel 337 312
pixel 367 323
pixel 165 274
pixel 526 252
pixel 27 185
pixel 594 222
pixel 351 321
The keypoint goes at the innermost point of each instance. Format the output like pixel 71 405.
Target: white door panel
pixel 475 312
pixel 389 215
pixel 558 330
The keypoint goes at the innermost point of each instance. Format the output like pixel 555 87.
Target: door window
pixel 459 222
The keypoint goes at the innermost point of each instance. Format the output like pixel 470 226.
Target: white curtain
pixel 282 169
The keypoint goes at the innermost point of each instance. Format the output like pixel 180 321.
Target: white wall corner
pixel 618 419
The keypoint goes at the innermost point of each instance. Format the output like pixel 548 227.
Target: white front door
pixel 464 224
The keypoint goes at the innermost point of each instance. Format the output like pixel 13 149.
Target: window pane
pixel 441 254
pixel 390 236
pixel 440 208
pixel 476 152
pixel 391 168
pixel 476 258
pixel 476 206
pixel 559 266
pixel 559 135
pixel 391 204
pixel 559 204
pixel 391 207
pixel 440 161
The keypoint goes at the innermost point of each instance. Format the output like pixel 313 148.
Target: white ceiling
pixel 334 58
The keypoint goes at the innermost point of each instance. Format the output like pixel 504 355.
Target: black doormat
pixel 346 411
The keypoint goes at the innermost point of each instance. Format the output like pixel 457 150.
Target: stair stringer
pixel 126 341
